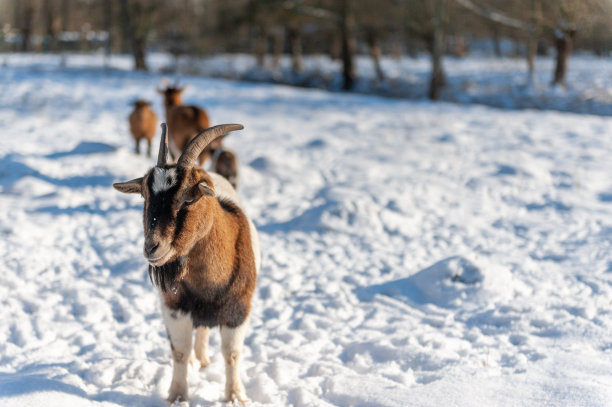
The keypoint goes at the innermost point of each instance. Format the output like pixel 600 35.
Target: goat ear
pixel 198 191
pixel 159 90
pixel 129 187
pixel 181 90
pixel 206 190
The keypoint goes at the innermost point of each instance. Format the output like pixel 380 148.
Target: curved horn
pixel 202 140
pixel 162 157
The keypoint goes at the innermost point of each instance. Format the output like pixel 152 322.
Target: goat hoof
pixel 204 362
pixel 236 393
pixel 177 393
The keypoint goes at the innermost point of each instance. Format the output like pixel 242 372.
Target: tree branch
pixel 494 15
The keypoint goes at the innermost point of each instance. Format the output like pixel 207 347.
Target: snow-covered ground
pixel 414 254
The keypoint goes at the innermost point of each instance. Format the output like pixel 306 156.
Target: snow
pixel 414 254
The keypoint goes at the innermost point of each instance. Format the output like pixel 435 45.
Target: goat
pixel 223 161
pixel 203 255
pixel 184 122
pixel 143 122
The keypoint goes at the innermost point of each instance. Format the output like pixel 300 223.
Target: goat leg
pixel 180 332
pixel 232 340
pixel 201 345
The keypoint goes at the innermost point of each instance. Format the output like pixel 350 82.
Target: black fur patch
pixel 211 307
pixel 159 207
pixel 165 276
pixel 195 111
pixel 179 223
pixel 229 206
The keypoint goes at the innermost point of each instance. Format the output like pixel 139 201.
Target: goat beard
pixel 167 276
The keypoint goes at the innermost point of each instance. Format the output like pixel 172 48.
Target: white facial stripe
pixel 163 179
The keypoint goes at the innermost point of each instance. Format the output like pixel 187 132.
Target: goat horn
pixel 202 140
pixel 162 157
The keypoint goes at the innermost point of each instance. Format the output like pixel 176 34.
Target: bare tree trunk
pixel 335 50
pixel 563 45
pixel 295 42
pixel 65 15
pixel 140 62
pixel 375 52
pixel 26 25
pixel 108 23
pixel 138 42
pixel 278 47
pixel 438 79
pixel 52 24
pixel 347 31
pixel 496 42
pixel 531 51
pixel 532 39
pixel 261 47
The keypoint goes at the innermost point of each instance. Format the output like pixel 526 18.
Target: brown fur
pixel 226 164
pixel 215 238
pixel 143 124
pixel 184 122
pixel 221 259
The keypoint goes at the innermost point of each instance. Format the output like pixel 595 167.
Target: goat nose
pixel 150 248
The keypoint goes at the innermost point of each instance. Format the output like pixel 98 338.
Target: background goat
pixel 184 122
pixel 223 161
pixel 203 255
pixel 143 122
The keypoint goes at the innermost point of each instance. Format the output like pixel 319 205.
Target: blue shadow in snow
pixel 85 148
pixel 31 380
pixel 23 383
pixel 556 205
pixel 12 169
pixel 307 221
pixel 56 210
pixel 441 284
pixel 310 219
pixel 605 197
pixel 403 288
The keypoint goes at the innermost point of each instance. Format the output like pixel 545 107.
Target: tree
pixel 137 36
pixel 564 20
pixel 559 19
pixel 347 32
pixel 427 20
pixel 25 22
pixel 294 31
pixel 376 21
pixel 52 24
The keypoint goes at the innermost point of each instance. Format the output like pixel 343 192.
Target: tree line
pixel 339 28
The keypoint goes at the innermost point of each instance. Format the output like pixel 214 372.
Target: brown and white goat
pixel 143 123
pixel 203 255
pixel 184 123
